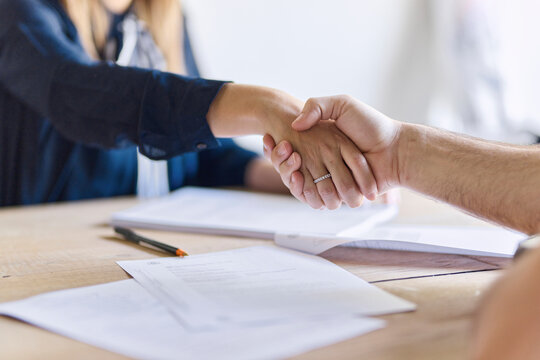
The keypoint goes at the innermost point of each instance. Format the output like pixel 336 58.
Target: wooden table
pixel 52 247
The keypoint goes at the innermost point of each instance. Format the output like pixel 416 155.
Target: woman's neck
pixel 117 6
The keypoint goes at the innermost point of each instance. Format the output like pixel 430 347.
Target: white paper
pixel 479 241
pixel 122 317
pixel 258 285
pixel 240 213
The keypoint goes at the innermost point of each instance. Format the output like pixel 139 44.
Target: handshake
pixel 336 150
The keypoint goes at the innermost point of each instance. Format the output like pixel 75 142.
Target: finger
pixel 289 166
pixel 344 182
pixel 327 190
pixel 281 152
pixel 268 145
pixel 317 109
pixel 361 171
pixel 297 186
pixel 310 191
pixel 392 197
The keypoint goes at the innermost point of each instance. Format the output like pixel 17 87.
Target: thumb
pixel 306 120
pixel 315 110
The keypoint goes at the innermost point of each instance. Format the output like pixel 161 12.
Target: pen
pixel 130 235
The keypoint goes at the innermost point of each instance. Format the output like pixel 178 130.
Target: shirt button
pixel 201 146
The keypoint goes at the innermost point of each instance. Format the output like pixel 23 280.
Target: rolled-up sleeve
pixel 98 103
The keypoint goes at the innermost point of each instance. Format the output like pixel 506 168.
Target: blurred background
pixel 470 66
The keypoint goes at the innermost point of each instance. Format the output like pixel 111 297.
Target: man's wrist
pixel 409 138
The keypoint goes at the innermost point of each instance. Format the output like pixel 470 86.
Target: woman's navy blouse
pixel 69 125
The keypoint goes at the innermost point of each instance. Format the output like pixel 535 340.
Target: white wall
pixel 317 47
pixel 399 56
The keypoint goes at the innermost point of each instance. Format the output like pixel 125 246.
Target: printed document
pixel 258 285
pixel 122 317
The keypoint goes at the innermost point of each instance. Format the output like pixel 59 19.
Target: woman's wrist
pixel 235 111
pixel 252 110
pixel 275 111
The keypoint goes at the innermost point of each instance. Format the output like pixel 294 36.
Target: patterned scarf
pixel 140 50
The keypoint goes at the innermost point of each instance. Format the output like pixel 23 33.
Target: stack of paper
pixel 294 225
pixel 476 241
pixel 241 213
pixel 253 303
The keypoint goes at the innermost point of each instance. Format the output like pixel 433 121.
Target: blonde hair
pixel 162 17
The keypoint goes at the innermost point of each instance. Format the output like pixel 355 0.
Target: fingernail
pixel 265 146
pixel 290 162
pixel 293 180
pixel 371 196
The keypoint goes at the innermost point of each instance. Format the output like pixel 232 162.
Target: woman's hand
pixel 243 109
pixel 372 132
pixel 324 150
pixel 287 164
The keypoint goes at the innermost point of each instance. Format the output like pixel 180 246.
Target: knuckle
pixel 338 138
pixel 326 191
pixel 350 190
pixel 311 102
pixel 284 168
pixel 309 192
pixel 344 98
pixel 359 160
pixel 326 148
pixel 348 98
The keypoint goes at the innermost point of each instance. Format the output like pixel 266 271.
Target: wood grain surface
pixel 59 246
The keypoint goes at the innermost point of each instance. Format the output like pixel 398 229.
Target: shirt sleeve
pixel 225 166
pixel 98 103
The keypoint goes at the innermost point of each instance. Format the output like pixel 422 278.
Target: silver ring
pixel 324 177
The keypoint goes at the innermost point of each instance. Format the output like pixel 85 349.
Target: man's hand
pixel 244 109
pixel 372 132
pixel 324 150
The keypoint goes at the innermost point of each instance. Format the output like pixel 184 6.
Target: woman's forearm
pixel 250 110
pixel 490 180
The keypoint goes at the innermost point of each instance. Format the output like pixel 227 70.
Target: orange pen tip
pixel 181 253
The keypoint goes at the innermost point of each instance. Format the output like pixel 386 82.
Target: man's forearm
pixel 500 183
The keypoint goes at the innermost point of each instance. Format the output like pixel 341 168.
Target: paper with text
pixel 122 317
pixel 258 285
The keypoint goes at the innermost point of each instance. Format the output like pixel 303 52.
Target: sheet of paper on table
pixel 258 285
pixel 247 214
pixel 124 318
pixel 479 241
